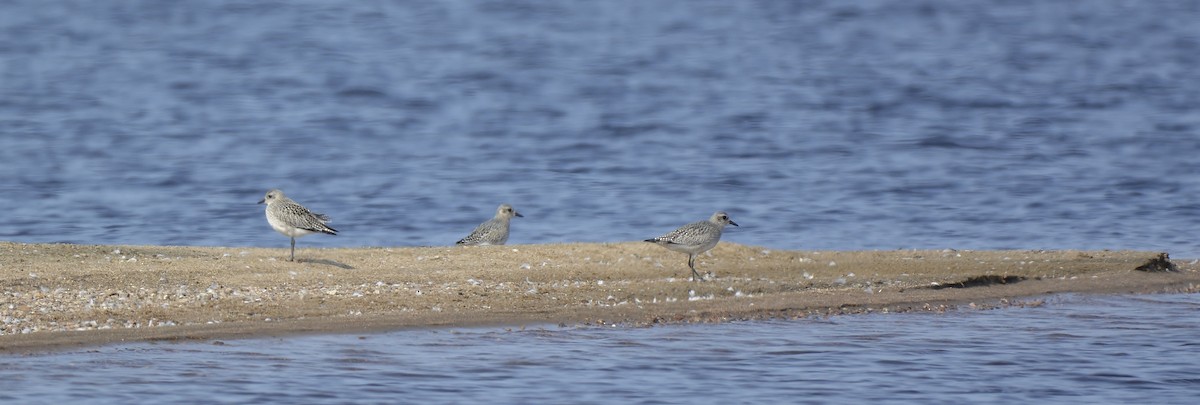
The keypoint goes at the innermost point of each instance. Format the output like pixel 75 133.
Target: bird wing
pixel 689 234
pixel 307 220
pixel 480 234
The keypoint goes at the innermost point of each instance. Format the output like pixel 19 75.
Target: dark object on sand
pixel 1162 263
pixel 980 281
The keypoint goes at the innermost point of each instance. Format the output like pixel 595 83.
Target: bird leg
pixel 293 250
pixel 692 265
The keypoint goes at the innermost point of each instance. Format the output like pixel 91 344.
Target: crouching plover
pixel 292 219
pixel 695 238
pixel 493 231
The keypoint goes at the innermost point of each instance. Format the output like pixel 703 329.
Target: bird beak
pixel 262 201
pixel 518 214
pixel 733 223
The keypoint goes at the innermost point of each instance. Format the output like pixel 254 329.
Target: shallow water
pixel 1074 349
pixel 816 124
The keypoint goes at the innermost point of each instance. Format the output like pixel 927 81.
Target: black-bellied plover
pixel 695 238
pixel 493 231
pixel 292 219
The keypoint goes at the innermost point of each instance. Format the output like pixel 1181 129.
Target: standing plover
pixel 493 231
pixel 292 219
pixel 695 238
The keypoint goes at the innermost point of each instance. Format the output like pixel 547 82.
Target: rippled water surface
pixel 1042 124
pixel 816 124
pixel 1092 349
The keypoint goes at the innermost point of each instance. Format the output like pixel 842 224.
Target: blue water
pixel 1072 350
pixel 1041 124
pixel 816 124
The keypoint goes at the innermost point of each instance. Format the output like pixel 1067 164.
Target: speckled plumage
pixel 493 231
pixel 695 238
pixel 292 219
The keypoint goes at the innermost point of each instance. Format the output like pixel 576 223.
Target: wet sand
pixel 57 296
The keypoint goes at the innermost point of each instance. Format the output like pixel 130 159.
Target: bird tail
pixel 324 228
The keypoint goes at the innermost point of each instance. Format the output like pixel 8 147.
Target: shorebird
pixel 695 238
pixel 493 231
pixel 292 219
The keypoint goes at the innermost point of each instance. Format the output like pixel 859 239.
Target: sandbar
pixel 63 296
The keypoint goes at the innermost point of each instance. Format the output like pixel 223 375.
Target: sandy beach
pixel 58 296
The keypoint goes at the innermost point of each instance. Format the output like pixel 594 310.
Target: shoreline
pixel 63 296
